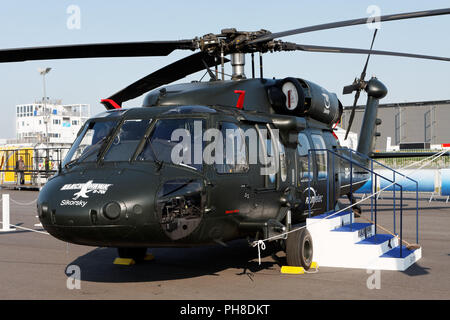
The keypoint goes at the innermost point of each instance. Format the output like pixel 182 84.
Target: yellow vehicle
pixel 9 156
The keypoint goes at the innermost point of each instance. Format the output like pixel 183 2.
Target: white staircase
pixel 339 243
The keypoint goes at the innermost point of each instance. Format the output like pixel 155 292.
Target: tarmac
pixel 33 265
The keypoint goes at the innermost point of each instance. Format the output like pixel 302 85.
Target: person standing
pixel 20 167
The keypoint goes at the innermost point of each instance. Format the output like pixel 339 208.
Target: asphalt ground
pixel 33 266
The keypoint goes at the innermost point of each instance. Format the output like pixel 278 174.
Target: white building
pixel 61 122
pixel 352 140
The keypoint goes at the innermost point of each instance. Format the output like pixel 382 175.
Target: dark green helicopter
pixel 207 162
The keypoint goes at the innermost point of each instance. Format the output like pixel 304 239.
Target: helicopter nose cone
pixel 99 208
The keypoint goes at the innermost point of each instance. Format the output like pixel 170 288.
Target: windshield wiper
pixel 104 144
pixel 71 162
pixel 95 148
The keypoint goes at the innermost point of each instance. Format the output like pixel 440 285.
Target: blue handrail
pixel 353 162
pixel 372 161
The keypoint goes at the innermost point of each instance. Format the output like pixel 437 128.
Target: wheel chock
pixel 298 270
pixel 124 261
pixel 149 257
pixel 292 270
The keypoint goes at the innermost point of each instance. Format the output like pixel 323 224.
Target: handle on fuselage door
pixel 210 183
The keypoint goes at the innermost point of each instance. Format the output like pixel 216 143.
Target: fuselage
pixel 184 170
pixel 130 194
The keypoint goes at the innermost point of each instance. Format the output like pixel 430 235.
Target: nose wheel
pixel 299 249
pixel 137 254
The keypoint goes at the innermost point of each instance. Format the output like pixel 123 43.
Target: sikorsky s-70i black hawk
pixel 119 185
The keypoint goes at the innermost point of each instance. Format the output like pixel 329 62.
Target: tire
pixel 137 254
pixel 299 249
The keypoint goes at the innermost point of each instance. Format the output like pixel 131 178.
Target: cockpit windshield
pixel 89 142
pixel 127 140
pixel 176 141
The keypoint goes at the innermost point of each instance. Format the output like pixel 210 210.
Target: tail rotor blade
pixel 352 115
pixel 349 89
pixel 363 73
pixel 358 86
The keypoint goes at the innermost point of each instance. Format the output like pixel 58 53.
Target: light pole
pixel 43 72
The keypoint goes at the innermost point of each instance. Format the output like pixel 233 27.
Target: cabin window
pixel 268 155
pixel 302 151
pixel 283 164
pixel 321 156
pixel 127 140
pixel 272 177
pixel 176 141
pixel 234 155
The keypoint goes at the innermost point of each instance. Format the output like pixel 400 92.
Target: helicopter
pixel 208 162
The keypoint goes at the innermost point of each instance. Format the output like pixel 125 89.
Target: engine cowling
pixel 302 98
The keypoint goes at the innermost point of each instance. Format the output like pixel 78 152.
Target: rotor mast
pixel 237 65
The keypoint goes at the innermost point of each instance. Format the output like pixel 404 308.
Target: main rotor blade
pixel 173 72
pixel 353 22
pixel 96 50
pixel 313 48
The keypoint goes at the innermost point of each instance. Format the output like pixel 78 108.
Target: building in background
pixel 49 123
pixel 45 130
pixel 425 122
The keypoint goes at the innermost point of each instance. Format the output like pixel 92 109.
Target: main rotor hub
pixel 231 41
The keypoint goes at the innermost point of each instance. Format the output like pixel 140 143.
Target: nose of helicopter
pixel 100 209
pixel 127 207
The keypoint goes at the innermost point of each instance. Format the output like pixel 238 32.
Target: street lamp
pixel 43 72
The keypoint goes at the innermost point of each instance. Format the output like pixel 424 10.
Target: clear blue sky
pixel 36 23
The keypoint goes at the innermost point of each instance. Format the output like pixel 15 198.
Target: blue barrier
pixel 426 180
pixel 445 184
pixel 366 187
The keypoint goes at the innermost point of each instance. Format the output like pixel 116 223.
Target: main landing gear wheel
pixel 299 249
pixel 137 254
